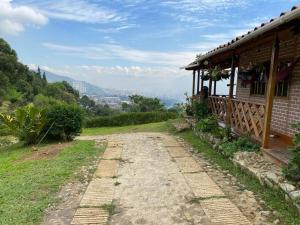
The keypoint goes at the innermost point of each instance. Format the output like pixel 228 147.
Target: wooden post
pixel 270 93
pixel 194 77
pixel 231 88
pixel 202 81
pixel 232 76
pixel 198 82
pixel 210 87
pixel 215 87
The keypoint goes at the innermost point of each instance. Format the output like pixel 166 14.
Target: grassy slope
pixel 28 187
pixel 150 127
pixel 274 199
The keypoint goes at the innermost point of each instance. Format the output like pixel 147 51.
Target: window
pixel 259 85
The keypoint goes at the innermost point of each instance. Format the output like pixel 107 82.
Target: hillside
pixel 20 86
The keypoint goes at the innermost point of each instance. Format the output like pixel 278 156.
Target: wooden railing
pixel 218 106
pixel 244 117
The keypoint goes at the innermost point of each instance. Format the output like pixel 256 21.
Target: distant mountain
pixel 90 89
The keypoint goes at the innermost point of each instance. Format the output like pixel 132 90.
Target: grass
pixel 151 127
pixel 110 208
pixel 274 199
pixel 28 187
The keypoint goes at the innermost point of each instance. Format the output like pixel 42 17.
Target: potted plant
pixel 225 74
pixel 216 74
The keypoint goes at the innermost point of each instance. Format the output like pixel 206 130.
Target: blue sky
pixel 128 44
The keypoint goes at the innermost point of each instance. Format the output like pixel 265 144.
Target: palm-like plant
pixel 26 123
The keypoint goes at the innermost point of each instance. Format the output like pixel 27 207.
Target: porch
pixel 248 118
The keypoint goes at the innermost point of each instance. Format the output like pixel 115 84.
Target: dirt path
pixel 153 179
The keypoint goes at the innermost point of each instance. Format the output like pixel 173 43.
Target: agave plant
pixel 26 123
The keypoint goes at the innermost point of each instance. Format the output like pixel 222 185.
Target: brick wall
pixel 286 110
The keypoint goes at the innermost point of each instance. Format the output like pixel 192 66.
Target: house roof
pixel 274 23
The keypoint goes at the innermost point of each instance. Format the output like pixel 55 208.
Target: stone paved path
pixel 152 179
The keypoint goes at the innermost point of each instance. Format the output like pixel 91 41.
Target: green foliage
pixel 64 122
pixel 242 143
pixel 188 106
pixel 26 123
pixel 13 96
pixel 43 101
pixel 20 85
pixel 292 170
pixel 208 125
pixel 178 108
pixel 63 92
pixel 143 104
pixel 129 119
pixel 200 109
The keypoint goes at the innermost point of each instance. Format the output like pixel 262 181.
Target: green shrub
pixel 130 119
pixel 200 109
pixel 243 144
pixel 292 170
pixel 208 125
pixel 26 123
pixel 64 122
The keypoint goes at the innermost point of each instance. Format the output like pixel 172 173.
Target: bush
pixel 200 109
pixel 292 170
pixel 243 144
pixel 64 122
pixel 133 118
pixel 26 123
pixel 208 125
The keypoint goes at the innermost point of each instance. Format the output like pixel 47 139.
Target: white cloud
pixel 79 10
pixel 14 19
pixel 117 52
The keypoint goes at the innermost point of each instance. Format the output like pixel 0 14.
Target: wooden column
pixel 270 93
pixel 194 78
pixel 202 81
pixel 210 87
pixel 198 82
pixel 232 76
pixel 231 88
pixel 215 87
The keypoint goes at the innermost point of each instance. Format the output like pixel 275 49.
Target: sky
pixel 136 45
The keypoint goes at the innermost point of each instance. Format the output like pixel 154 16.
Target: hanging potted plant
pixel 225 74
pixel 216 74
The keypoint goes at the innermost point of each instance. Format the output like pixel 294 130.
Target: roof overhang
pixel 273 24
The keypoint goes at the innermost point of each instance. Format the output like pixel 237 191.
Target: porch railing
pixel 244 117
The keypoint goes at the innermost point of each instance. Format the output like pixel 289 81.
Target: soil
pixel 46 152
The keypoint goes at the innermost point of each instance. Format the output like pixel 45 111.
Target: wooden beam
pixel 198 82
pixel 270 93
pixel 194 78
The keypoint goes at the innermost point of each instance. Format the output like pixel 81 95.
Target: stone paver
pixel 98 193
pixel 223 212
pixel 188 165
pixel 112 153
pixel 107 168
pixel 203 186
pixel 90 216
pixel 177 152
pixel 156 180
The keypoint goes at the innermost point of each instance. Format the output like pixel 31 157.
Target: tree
pixel 143 104
pixel 86 102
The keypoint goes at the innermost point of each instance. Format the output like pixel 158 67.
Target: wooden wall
pixel 286 110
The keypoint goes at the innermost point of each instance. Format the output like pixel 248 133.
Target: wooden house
pixel 267 99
